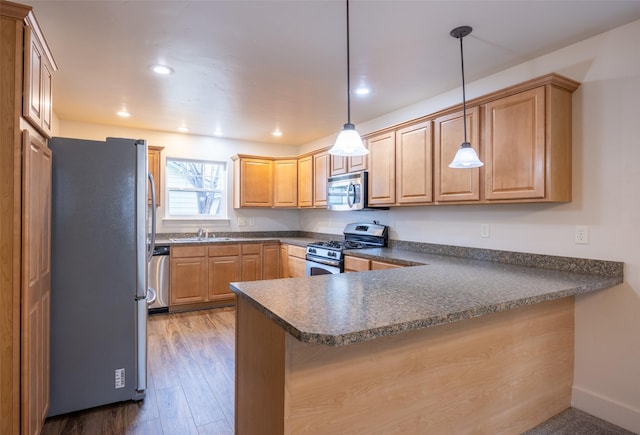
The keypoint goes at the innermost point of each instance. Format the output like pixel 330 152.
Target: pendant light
pixel 466 157
pixel 348 142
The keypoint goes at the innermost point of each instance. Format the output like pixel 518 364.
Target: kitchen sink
pixel 200 239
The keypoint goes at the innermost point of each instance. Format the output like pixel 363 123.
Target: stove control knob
pixel 312 250
pixel 331 254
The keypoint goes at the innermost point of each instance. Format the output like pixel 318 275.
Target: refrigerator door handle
pixel 142 248
pixel 152 242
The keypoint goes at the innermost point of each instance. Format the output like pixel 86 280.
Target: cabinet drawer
pixel 297 251
pixel 187 251
pixel 224 250
pixel 252 248
pixel 356 264
pixel 380 265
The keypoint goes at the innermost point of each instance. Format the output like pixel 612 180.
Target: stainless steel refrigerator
pixel 100 247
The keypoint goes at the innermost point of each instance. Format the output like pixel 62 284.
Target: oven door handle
pixel 351 195
pixel 322 260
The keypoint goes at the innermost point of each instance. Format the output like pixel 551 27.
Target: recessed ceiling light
pixel 217 132
pixel 123 114
pixel 363 91
pixel 277 133
pixel 183 129
pixel 162 70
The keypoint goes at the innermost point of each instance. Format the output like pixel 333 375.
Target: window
pixel 196 189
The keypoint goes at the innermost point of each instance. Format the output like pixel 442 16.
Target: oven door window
pixel 314 268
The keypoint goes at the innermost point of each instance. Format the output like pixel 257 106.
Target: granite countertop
pixel 345 308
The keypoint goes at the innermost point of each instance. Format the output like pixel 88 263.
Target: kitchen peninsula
pixel 455 345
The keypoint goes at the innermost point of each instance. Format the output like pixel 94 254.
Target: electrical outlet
pixel 484 230
pixel 252 221
pixel 581 234
pixel 242 221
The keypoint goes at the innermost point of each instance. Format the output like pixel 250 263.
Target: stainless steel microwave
pixel 348 192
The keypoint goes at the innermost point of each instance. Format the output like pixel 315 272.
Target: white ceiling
pixel 249 67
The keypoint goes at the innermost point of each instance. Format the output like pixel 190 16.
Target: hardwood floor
pixel 190 382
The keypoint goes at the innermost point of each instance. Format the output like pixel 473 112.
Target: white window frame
pixel 223 215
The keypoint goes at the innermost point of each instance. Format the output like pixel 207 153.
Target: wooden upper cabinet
pixel 456 184
pixel 285 183
pixel 305 181
pixel 253 182
pixel 39 66
pixel 345 165
pixel 527 137
pixel 357 163
pixel 321 166
pixel 153 165
pixel 338 165
pixel 382 172
pixel 514 130
pixel 414 176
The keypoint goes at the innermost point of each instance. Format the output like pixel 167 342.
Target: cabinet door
pixel 222 271
pixel 188 276
pixel 338 165
pixel 414 164
pixel 271 261
pixel 515 146
pixel 284 261
pixel 251 262
pixel 355 264
pixel 285 182
pixel 36 285
pixel 320 176
pixel 382 173
pixel 305 182
pixel 254 183
pixel 455 184
pixel 153 164
pixel 296 263
pixel 357 163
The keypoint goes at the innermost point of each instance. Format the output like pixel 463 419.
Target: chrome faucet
pixel 200 233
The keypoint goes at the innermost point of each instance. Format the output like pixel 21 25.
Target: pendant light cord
pixel 348 71
pixel 464 97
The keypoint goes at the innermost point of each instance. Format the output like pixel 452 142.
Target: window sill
pixel 196 219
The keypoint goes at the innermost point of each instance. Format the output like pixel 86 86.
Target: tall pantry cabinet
pixel 26 115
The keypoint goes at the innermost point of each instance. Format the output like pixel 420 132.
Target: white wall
pixel 606 197
pixel 207 148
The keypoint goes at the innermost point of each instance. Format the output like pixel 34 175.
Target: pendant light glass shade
pixel 466 157
pixel 348 142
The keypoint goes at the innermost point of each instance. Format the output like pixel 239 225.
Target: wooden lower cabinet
pixel 251 262
pixel 296 263
pixel 188 275
pixel 224 267
pixel 356 264
pixel 271 261
pixel 200 274
pixel 381 265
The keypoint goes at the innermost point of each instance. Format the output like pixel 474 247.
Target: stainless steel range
pixel 327 257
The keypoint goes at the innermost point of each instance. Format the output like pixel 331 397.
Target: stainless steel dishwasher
pixel 158 279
